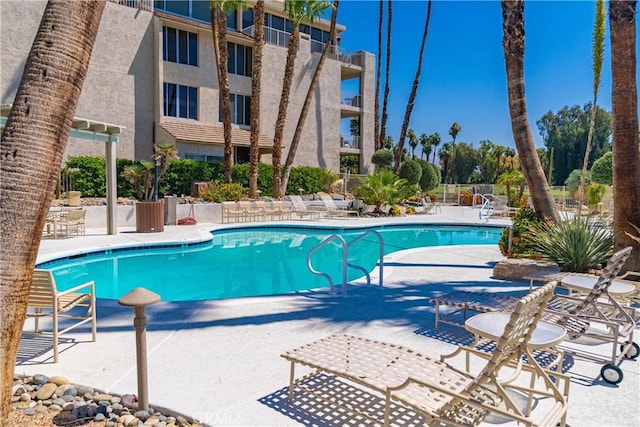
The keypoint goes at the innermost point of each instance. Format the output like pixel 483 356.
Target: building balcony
pixel 352 142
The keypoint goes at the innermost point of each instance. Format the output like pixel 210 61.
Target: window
pixel 247 18
pixel 204 158
pixel 240 109
pixel 180 101
pixel 240 59
pixel 179 46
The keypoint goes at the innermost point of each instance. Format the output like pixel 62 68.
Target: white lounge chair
pixel 333 210
pixel 301 209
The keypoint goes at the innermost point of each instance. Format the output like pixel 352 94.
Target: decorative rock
pixel 41 408
pixel 67 398
pixel 29 411
pixel 111 424
pixel 46 391
pixel 142 415
pixel 65 417
pixel 117 408
pixel 58 380
pixel 102 397
pixel 25 397
pixel 116 399
pixel 40 379
pixel 68 406
pixel 59 402
pixel 130 401
pixel 17 398
pixel 71 391
pixel 17 390
pixel 56 408
pixel 82 390
pixel 61 389
pixel 182 421
pixel 517 268
pixel 160 424
pixel 99 417
pixel 126 420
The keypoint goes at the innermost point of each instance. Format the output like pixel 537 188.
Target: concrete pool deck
pixel 219 361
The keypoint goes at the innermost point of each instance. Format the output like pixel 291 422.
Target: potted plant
pixel 145 177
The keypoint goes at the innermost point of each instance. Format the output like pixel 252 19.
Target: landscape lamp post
pixel 139 298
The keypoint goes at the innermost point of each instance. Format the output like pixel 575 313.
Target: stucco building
pixel 153 72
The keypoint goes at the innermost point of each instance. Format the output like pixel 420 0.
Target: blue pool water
pixel 249 261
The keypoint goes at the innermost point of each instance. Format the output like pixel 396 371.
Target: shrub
pixel 411 171
pixel 382 158
pixel 410 210
pixel 224 192
pixel 381 188
pixel 395 210
pixel 428 179
pixel 310 179
pixel 573 180
pixel 438 173
pixel 88 175
pixel 240 174
pixel 181 174
pixel 595 192
pixel 602 169
pixel 524 221
pixel 466 198
pixel 575 244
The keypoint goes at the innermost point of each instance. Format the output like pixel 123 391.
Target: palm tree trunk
pixel 254 153
pixel 513 44
pixel 376 106
pixel 32 145
pixel 385 99
pixel 219 30
pixel 412 95
pixel 292 52
pixel 307 101
pixel 624 100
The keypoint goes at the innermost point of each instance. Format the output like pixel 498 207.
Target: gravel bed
pixel 44 401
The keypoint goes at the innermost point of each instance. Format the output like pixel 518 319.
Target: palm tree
pixel 298 12
pixel 425 143
pixel 598 59
pixel 219 8
pixel 513 45
pixel 412 94
pixel 445 155
pixel 307 101
pixel 435 141
pixel 388 142
pixel 413 142
pixel 31 147
pixel 387 68
pixel 454 130
pixel 626 157
pixel 256 79
pixel 376 104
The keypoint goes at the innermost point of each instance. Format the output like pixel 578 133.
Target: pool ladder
pixel 345 262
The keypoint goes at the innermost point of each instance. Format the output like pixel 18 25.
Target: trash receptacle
pixel 170 207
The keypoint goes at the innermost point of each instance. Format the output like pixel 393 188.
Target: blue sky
pixel 463 75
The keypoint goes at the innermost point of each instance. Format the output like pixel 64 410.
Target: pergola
pixel 100 132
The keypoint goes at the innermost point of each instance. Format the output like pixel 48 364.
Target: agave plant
pixel 576 244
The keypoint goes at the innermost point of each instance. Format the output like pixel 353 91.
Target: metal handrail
pixel 345 262
pixel 381 241
pixel 325 242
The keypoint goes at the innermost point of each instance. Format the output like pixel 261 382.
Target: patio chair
pixel 333 210
pixel 72 221
pixel 435 389
pixel 600 316
pixel 283 212
pixel 232 210
pixel 47 301
pixel 301 209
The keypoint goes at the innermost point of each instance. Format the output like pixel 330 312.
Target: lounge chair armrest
pixel 629 274
pixel 90 285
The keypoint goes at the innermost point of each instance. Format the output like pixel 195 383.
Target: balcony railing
pixel 271 36
pixel 351 100
pixel 138 4
pixel 350 141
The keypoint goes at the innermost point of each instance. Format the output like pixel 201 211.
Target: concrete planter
pixel 150 217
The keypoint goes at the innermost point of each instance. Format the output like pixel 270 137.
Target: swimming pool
pixel 249 261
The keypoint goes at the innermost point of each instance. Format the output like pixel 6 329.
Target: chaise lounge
pixel 437 390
